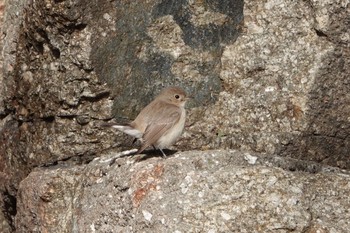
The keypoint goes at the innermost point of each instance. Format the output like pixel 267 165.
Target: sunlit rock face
pixel 265 76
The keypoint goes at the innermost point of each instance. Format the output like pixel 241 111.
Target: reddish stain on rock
pixel 146 181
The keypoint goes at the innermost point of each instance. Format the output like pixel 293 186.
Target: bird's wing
pixel 160 122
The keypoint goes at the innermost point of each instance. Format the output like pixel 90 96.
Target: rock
pixel 160 43
pixel 193 191
pixel 4 223
pixel 285 85
pixel 276 82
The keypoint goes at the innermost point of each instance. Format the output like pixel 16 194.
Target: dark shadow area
pixel 148 154
pixel 206 37
pixel 134 80
pixel 10 209
pixel 156 153
pixel 327 138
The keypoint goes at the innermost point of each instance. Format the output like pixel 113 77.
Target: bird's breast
pixel 173 133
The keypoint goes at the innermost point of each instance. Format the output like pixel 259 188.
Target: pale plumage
pixel 161 122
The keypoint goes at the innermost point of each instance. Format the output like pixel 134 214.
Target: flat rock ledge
pixel 192 191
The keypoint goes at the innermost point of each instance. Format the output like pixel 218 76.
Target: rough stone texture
pixel 276 82
pixel 286 84
pixel 326 136
pixel 8 39
pixel 50 96
pixel 169 42
pixel 195 191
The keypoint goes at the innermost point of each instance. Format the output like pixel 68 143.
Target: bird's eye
pixel 177 96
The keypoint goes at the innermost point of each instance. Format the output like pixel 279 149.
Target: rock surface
pixel 266 76
pixel 194 191
pixel 286 84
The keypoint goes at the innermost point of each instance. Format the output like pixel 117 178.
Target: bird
pixel 160 123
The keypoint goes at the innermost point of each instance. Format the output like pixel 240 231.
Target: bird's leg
pixel 155 148
pixel 164 155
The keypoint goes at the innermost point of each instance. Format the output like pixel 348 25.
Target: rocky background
pixel 269 78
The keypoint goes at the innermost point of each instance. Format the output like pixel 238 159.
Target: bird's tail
pixel 128 129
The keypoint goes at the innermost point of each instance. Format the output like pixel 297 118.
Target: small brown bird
pixel 161 122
